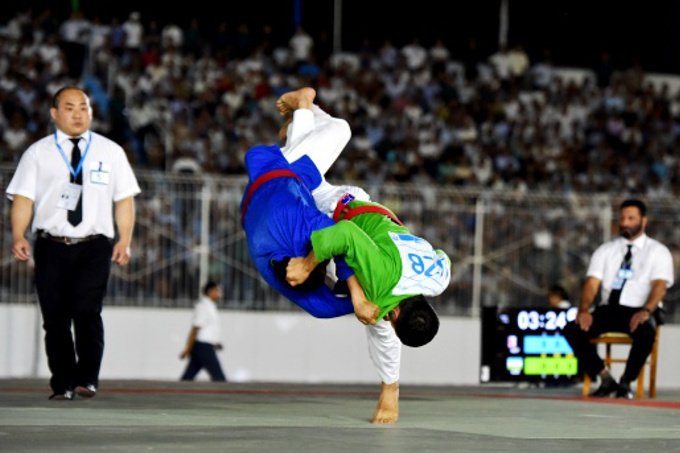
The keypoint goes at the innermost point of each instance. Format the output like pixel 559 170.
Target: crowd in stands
pixel 195 99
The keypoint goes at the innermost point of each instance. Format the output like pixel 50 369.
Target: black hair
pixel 209 286
pixel 55 98
pixel 635 203
pixel 417 323
pixel 560 291
pixel 316 277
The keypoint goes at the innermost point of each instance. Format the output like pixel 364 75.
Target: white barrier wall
pixel 144 343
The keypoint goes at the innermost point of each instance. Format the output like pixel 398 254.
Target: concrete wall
pixel 266 347
pixel 145 343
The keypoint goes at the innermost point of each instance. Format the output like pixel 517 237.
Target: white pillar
pixel 204 247
pixel 503 24
pixel 337 25
pixel 478 259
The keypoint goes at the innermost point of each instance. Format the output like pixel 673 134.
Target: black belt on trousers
pixel 68 240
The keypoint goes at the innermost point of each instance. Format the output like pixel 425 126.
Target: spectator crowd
pixel 194 99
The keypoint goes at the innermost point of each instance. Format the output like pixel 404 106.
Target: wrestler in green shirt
pixel 370 252
pixel 389 262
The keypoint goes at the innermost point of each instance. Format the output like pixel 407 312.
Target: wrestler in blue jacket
pixel 279 216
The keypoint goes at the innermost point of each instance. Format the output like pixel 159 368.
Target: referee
pixel 68 182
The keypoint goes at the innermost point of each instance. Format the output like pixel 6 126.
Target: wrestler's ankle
pixel 392 386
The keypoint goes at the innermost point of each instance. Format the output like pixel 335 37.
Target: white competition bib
pixel 424 270
pixel 70 194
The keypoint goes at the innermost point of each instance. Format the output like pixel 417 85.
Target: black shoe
pixel 624 391
pixel 608 387
pixel 341 289
pixel 86 391
pixel 62 396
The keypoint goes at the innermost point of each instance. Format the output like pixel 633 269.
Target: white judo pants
pixel 316 134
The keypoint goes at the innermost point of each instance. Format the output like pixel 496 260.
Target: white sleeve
pixel 25 177
pixel 201 316
pixel 326 196
pixel 384 348
pixel 597 263
pixel 124 180
pixel 662 268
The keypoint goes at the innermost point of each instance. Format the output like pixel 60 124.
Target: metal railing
pixel 507 248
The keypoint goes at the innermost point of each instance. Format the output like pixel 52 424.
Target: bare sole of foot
pixel 285 110
pixel 293 100
pixel 387 410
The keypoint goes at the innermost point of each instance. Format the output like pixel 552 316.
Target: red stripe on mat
pixel 163 390
pixel 405 394
pixel 619 401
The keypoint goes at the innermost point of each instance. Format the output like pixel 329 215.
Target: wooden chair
pixel 611 338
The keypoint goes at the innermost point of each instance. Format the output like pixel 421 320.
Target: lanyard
pixel 77 170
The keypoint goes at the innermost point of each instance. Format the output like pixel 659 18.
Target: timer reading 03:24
pixel 550 320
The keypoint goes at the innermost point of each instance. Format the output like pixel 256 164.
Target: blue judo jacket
pixel 280 218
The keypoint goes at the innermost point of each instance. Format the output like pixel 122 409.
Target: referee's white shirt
pixel 42 175
pixel 207 320
pixel 651 261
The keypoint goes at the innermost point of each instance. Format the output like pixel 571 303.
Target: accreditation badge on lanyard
pixel 70 192
pixel 621 276
pixel 100 174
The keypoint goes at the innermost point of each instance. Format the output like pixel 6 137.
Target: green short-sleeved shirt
pixel 365 243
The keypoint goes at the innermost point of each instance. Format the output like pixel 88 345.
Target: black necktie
pixel 75 216
pixel 615 294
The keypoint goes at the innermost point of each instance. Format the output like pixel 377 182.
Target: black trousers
pixel 203 356
pixel 71 283
pixel 612 319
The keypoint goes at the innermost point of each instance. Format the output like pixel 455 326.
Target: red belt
pixel 274 174
pixel 342 212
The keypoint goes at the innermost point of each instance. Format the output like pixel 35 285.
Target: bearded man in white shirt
pixel 632 273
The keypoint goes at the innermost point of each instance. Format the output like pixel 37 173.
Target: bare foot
pixel 387 410
pixel 293 100
pixel 285 110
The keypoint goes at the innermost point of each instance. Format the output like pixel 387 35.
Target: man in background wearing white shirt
pixel 204 337
pixel 632 273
